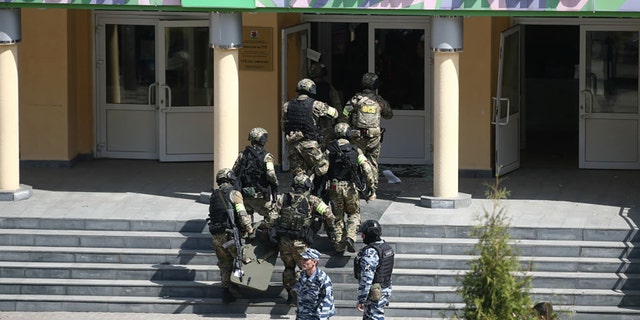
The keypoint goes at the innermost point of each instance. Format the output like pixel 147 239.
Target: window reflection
pixel 189 70
pixel 612 71
pixel 130 63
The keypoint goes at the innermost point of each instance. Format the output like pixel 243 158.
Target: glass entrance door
pixel 506 104
pixel 185 91
pixel 397 54
pixel 155 89
pixel 609 119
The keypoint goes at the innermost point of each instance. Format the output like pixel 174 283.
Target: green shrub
pixel 495 288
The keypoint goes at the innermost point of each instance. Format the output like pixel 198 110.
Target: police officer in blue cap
pixel 314 289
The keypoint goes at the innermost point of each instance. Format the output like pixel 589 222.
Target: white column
pixel 10 36
pixel 9 106
pixel 225 109
pixel 225 36
pixel 446 43
pixel 445 126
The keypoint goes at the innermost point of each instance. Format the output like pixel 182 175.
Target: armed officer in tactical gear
pixel 257 177
pixel 349 175
pixel 364 111
pixel 326 93
pixel 300 123
pixel 224 202
pixel 373 267
pixel 293 230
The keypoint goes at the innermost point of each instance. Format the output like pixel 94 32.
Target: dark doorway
pixel 550 123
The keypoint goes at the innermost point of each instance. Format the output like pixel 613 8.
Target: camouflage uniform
pixel 364 110
pixel 344 194
pixel 328 94
pixel 294 234
pixel 221 199
pixel 257 177
pixel 315 296
pixel 303 148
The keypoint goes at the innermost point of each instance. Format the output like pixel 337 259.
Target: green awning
pixel 223 4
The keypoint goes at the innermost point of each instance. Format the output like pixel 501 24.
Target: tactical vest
pixel 339 168
pixel 218 216
pixel 367 111
pixel 299 117
pixel 385 263
pixel 253 173
pixel 295 214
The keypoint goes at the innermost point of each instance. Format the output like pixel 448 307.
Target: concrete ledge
pixel 24 192
pixel 205 197
pixel 463 200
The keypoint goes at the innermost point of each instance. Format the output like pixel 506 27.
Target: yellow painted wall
pixel 81 133
pixel 44 119
pixel 260 90
pixel 478 77
pixel 55 62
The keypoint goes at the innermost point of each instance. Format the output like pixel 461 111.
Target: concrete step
pixel 202 241
pixel 342 291
pixel 274 307
pixel 107 255
pixel 540 248
pixel 193 226
pixel 204 273
pixel 529 233
pixel 106 239
pixel 395 230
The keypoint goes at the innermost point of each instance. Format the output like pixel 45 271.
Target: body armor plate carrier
pixel 218 217
pixel 385 263
pixel 253 174
pixel 299 117
pixel 296 213
pixel 367 112
pixel 339 168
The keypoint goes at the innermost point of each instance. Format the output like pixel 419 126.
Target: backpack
pixel 295 214
pixel 253 174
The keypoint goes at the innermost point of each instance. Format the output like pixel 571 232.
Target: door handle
pixel 586 109
pixel 165 104
pixel 150 95
pixel 497 108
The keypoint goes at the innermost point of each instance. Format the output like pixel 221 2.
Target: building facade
pixel 137 80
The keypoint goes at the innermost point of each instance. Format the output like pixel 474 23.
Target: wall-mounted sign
pixel 256 53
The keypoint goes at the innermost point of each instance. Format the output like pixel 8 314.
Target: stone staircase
pixel 169 267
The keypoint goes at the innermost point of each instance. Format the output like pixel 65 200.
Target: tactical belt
pixel 335 183
pixel 369 132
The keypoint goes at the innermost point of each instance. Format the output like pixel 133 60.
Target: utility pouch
pixel 375 293
pixel 249 192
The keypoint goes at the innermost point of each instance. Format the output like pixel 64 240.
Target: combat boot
pixel 292 298
pixel 351 247
pixel 227 296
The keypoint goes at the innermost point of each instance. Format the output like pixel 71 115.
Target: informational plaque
pixel 256 53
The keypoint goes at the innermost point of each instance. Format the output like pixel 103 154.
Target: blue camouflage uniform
pixel 315 295
pixel 373 310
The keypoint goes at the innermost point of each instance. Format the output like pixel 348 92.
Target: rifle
pixel 353 168
pixel 237 241
pixel 237 263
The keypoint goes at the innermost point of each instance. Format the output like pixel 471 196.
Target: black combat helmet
pixel 317 70
pixel 258 136
pixel 372 231
pixel 225 175
pixel 342 130
pixel 370 80
pixel 302 182
pixel 306 86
